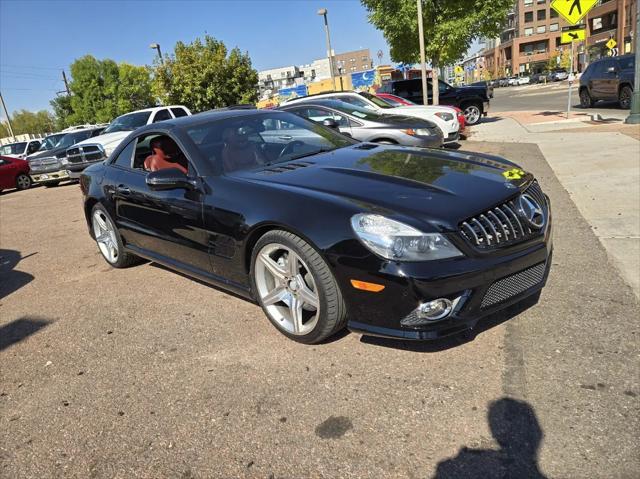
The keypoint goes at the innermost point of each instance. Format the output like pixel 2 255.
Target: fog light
pixel 436 309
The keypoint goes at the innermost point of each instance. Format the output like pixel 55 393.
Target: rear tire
pixel 624 97
pixel 287 277
pixel 585 99
pixel 109 240
pixel 23 182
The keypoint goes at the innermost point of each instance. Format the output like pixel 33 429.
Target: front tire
pixel 296 288
pixel 472 113
pixel 624 97
pixel 23 182
pixel 108 239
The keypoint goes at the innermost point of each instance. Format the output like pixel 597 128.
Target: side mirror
pixel 170 179
pixel 330 123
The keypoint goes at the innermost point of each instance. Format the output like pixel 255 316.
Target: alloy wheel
pixel 472 114
pixel 625 98
pixel 105 236
pixel 23 182
pixel 287 289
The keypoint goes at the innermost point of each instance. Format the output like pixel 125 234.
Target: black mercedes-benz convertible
pixel 324 232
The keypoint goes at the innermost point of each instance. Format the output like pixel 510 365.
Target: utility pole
pixel 6 114
pixel 634 114
pixel 423 66
pixel 66 84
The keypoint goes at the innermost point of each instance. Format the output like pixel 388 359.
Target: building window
pixel 540 1
pixel 528 31
pixel 528 17
pixel 282 74
pixel 353 69
pixel 352 60
pixel 365 59
pixel 528 3
pixel 553 27
pixel 542 14
pixel 541 29
pixel 553 13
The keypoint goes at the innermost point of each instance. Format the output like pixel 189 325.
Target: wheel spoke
pixel 103 238
pixel 296 314
pixel 306 295
pixel 293 265
pixel 274 268
pixel 274 296
pixel 102 223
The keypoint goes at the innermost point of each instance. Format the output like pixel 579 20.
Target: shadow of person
pixel 515 427
pixel 11 279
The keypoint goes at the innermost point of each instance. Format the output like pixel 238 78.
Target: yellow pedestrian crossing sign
pixel 611 44
pixel 573 36
pixel 458 69
pixel 573 10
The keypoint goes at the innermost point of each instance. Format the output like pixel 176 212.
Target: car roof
pixel 321 94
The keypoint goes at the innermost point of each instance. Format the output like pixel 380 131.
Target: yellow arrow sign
pixel 573 10
pixel 573 36
pixel 611 44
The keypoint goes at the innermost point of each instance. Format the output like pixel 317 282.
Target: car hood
pixel 420 109
pixel 107 140
pixel 439 187
pixel 46 154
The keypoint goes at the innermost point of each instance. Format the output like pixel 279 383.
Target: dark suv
pixel 472 100
pixel 609 78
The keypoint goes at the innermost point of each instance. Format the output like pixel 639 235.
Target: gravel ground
pixel 143 373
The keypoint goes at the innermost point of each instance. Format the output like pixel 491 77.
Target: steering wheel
pixel 289 147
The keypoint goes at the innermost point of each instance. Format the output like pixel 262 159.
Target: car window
pixel 13 148
pixel 250 141
pixel 598 68
pixel 156 151
pixel 379 102
pixel 179 112
pixel 353 100
pixel 50 142
pixel 318 115
pixel 125 156
pixel 162 115
pixel 626 63
pixel 33 147
pixel 129 122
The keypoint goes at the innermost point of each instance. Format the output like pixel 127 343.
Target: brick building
pixel 532 36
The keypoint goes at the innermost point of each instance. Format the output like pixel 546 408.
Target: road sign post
pixel 634 114
pixel 571 78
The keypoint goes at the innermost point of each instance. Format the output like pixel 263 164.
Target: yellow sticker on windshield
pixel 513 174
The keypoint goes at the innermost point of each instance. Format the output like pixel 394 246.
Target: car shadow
pixel 11 279
pixel 438 345
pixel 490 119
pixel 20 329
pixel 516 429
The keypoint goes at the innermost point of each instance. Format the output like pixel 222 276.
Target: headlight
pixel 397 241
pixel 64 161
pixel 444 115
pixel 425 132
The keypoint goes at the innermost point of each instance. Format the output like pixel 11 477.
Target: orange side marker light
pixel 363 285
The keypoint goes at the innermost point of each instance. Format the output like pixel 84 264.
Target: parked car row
pixel 559 74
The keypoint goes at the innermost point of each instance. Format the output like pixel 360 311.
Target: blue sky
pixel 40 38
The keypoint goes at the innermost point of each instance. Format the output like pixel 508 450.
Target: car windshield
pixel 255 140
pixel 356 111
pixel 50 142
pixel 379 102
pixel 128 122
pixel 13 148
pixel 71 139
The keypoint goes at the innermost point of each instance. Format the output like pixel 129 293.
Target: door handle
pixel 123 190
pixel 286 137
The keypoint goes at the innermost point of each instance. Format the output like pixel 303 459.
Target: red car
pixel 397 100
pixel 14 173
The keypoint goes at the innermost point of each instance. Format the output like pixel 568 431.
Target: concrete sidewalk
pixel 599 169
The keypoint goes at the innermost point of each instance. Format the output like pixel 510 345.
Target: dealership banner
pixel 293 92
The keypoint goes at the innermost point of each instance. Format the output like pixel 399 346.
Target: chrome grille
pixel 85 154
pixel 502 225
pixel 43 165
pixel 513 285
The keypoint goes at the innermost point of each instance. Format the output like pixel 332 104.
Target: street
pixel 549 97
pixel 145 373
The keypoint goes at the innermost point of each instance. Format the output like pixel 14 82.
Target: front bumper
pixel 48 177
pixel 485 108
pixel 75 169
pixel 407 285
pixel 452 137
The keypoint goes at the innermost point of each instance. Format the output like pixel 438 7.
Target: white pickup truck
pixel 94 150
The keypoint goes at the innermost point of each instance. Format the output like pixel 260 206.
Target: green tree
pixel 102 90
pixel 24 121
pixel 62 111
pixel 564 62
pixel 449 27
pixel 201 75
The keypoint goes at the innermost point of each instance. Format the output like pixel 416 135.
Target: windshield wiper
pixel 311 153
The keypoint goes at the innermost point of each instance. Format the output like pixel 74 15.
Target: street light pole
pixel 156 46
pixel 634 114
pixel 323 13
pixel 6 114
pixel 423 66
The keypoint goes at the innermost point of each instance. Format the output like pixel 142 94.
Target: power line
pixel 31 67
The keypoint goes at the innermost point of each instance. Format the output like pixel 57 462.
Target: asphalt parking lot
pixel 143 373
